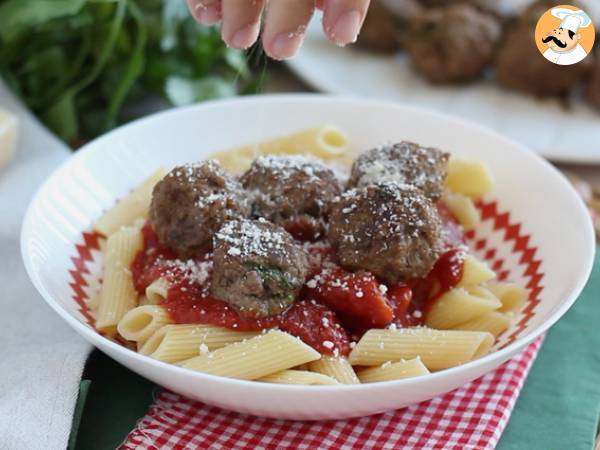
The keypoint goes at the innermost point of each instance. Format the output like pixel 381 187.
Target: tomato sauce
pixel 341 304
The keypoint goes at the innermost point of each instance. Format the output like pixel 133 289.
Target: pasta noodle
pixel 117 294
pixel 493 322
pixel 393 371
pixel 463 208
pixel 337 368
pixel 156 292
pixel 469 177
pixel 139 323
pixel 255 358
pixel 458 306
pixel 298 377
pixel 511 295
pixel 326 142
pixel 475 272
pixel 437 349
pixel 130 208
pixel 173 343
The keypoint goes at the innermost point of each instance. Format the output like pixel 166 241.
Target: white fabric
pixel 41 358
pixel 566 58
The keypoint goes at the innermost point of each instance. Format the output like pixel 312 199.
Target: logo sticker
pixel 565 35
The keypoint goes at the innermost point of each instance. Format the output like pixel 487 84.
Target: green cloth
pixel 558 408
pixel 116 399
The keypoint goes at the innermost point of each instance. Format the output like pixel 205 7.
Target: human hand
pixel 284 24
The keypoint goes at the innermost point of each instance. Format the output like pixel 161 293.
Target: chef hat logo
pixel 565 35
pixel 570 19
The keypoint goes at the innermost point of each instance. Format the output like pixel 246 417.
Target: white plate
pixel 546 242
pixel 545 126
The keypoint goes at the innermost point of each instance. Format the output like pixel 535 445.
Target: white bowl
pixel 546 242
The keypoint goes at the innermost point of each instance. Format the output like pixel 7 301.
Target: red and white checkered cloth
pixel 471 417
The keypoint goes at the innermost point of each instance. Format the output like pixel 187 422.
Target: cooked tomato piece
pixel 317 326
pixel 355 297
pixel 399 298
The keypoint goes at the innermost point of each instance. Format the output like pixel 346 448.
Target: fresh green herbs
pixel 79 63
pixel 273 274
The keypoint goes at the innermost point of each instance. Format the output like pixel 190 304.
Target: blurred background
pixel 86 66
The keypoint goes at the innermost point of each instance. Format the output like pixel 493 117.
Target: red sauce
pixel 327 312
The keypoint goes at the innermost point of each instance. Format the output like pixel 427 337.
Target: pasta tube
pixel 132 207
pixel 156 292
pixel 393 371
pixel 173 343
pixel 117 294
pixel 139 323
pixel 337 368
pixel 493 322
pixel 298 377
pixel 326 142
pixel 475 272
pixel 463 208
pixel 511 295
pixel 437 349
pixel 469 177
pixel 458 306
pixel 255 358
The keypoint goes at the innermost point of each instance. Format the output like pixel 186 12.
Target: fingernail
pixel 345 30
pixel 208 14
pixel 245 37
pixel 286 45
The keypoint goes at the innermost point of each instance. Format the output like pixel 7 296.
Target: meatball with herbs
pixel 292 191
pixel 191 203
pixel 383 28
pixel 404 162
pixel 258 268
pixel 391 230
pixel 453 44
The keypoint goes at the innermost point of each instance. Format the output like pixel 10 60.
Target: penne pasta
pixel 298 377
pixel 173 343
pixel 156 292
pixel 511 295
pixel 437 349
pixel 132 207
pixel 325 142
pixel 463 208
pixel 458 306
pixel 475 272
pixel 117 294
pixel 393 371
pixel 255 358
pixel 469 177
pixel 493 322
pixel 337 368
pixel 141 322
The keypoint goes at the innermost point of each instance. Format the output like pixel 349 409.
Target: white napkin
pixel 41 358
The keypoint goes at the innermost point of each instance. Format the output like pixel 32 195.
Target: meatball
pixel 382 29
pixel 593 87
pixel 453 44
pixel 258 268
pixel 391 230
pixel 292 191
pixel 405 162
pixel 191 203
pixel 520 66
